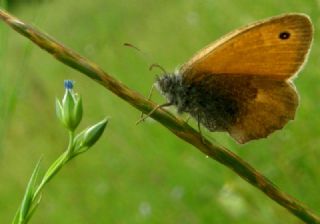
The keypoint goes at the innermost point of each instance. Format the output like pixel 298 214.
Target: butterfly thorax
pixel 172 87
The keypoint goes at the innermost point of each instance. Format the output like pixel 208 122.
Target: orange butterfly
pixel 242 83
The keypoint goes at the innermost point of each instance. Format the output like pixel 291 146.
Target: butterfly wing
pixel 276 48
pixel 248 107
pixel 270 52
pixel 274 105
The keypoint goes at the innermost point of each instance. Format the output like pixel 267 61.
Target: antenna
pixel 152 66
pixel 158 66
pixel 147 57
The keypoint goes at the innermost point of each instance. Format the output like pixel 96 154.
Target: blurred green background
pixel 143 174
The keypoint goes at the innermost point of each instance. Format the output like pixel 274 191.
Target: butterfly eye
pixel 284 35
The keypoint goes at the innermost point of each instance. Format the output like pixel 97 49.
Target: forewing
pixel 276 48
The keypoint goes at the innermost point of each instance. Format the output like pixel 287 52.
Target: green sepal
pixel 59 110
pixel 68 107
pixel 77 113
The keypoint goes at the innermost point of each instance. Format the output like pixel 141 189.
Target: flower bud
pixel 69 111
pixel 90 136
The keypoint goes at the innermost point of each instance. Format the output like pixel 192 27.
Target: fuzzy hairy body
pixel 213 108
pixel 248 107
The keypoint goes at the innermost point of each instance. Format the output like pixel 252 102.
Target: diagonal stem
pixel 177 126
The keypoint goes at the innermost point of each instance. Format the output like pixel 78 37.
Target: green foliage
pixel 147 175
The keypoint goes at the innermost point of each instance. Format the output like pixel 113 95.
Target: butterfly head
pixel 171 86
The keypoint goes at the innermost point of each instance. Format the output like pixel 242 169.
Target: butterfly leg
pixel 149 97
pixel 152 111
pixel 199 128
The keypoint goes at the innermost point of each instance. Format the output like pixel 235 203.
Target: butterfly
pixel 242 83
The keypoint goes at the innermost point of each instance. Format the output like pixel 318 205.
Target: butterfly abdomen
pixel 216 108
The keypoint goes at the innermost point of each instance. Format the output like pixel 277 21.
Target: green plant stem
pixel 56 166
pixel 52 171
pixel 70 145
pixel 177 126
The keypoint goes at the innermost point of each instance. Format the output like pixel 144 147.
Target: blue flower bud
pixel 69 111
pixel 68 84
